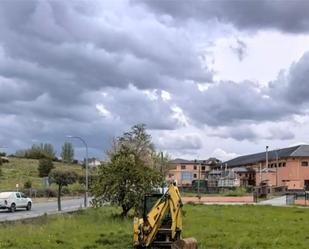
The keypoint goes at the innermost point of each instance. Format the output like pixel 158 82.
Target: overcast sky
pixel 208 78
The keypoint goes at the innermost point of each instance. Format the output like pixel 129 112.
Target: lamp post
pixel 86 184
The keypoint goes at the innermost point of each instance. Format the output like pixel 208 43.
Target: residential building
pixel 231 177
pixel 93 162
pixel 287 167
pixel 185 171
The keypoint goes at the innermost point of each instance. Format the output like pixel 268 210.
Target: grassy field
pixel 215 227
pixel 20 170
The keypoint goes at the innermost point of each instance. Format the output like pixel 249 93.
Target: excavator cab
pixel 161 224
pixel 163 237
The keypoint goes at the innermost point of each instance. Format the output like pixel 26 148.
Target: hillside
pixel 20 170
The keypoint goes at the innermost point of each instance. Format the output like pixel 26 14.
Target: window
pixel 23 195
pixel 17 195
pixel 304 163
pixel 195 175
pixel 280 165
pixel 283 164
pixel 203 167
pixel 195 167
pixel 183 166
pixel 186 175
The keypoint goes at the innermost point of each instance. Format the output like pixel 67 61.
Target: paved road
pixel 278 201
pixel 39 209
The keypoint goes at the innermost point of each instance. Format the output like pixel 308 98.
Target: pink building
pixel 185 171
pixel 286 167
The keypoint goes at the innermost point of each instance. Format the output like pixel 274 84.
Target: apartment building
pixel 185 171
pixel 276 168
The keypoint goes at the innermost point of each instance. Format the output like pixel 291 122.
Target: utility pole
pixel 266 156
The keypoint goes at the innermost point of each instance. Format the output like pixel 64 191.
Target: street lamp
pixel 86 185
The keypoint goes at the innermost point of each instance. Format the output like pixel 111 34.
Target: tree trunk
pixel 125 210
pixel 59 197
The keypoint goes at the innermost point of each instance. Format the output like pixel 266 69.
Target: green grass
pixel 86 230
pixel 215 227
pixel 20 170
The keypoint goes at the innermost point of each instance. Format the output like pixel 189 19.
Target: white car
pixel 13 200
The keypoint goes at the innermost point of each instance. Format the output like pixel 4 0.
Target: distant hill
pixel 20 170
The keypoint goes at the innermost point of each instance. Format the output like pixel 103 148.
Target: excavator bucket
pixel 188 243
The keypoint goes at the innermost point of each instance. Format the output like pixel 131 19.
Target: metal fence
pixel 291 196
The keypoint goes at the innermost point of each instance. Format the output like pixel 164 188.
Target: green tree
pixel 38 151
pixel 20 153
pixel 67 152
pixel 130 172
pixel 49 151
pixel 62 178
pixel 45 166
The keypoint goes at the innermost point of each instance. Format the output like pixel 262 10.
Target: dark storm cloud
pixel 180 142
pixel 228 103
pixel 287 16
pixel 132 104
pixel 293 84
pixel 237 133
pixel 97 53
pixel 280 133
pixel 96 68
pixel 56 57
pixel 243 132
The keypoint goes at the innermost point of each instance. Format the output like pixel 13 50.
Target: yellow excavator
pixel 161 224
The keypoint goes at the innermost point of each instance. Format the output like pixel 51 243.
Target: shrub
pixel 28 184
pixel 239 191
pixel 45 166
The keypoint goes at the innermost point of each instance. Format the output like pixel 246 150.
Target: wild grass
pixel 215 227
pixel 20 170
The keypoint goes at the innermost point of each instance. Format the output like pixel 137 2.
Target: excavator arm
pixel 162 225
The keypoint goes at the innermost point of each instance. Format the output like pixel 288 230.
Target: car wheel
pixel 28 208
pixel 13 207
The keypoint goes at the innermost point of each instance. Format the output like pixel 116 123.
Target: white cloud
pixel 223 155
pixel 268 52
pixel 179 115
pixel 165 95
pixel 103 111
